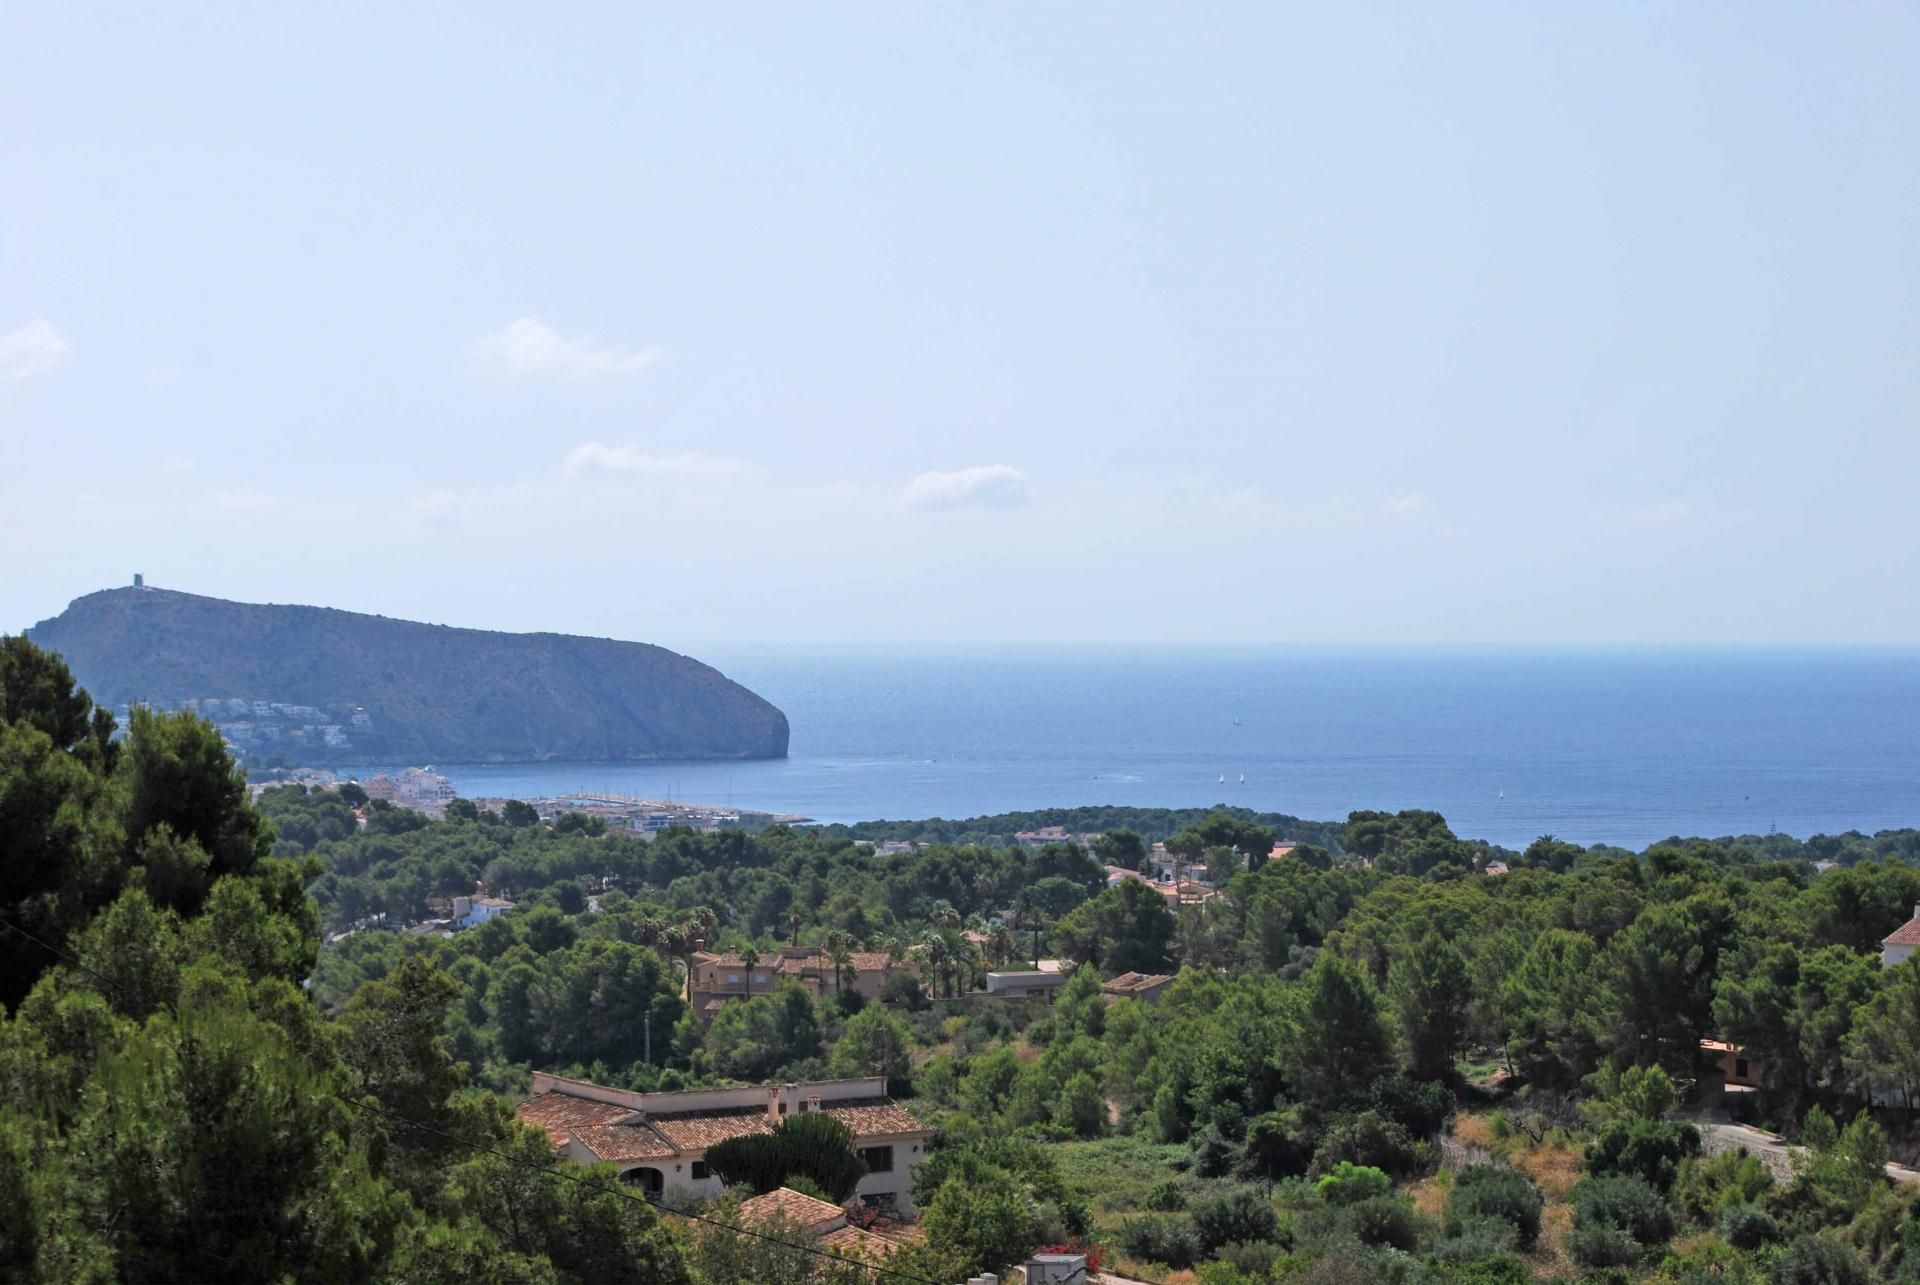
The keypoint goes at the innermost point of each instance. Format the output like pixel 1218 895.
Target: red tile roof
pixel 698 1130
pixel 794 1206
pixel 1907 934
pixel 620 1143
pixel 1133 983
pixel 873 1115
pixel 863 1244
pixel 559 1112
pixel 865 961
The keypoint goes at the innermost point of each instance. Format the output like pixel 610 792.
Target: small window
pixel 1740 1069
pixel 733 979
pixel 699 1170
pixel 783 1108
pixel 877 1159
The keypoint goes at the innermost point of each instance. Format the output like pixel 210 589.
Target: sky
pixel 1453 323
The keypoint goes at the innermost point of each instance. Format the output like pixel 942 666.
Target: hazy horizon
pixel 1491 324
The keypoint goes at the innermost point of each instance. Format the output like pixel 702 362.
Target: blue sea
pixel 1619 746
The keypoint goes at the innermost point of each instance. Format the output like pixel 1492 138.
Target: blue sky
pixel 1448 323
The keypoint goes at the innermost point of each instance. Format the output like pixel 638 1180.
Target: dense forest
pixel 1377 1062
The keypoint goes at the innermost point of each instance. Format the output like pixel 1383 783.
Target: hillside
pixel 323 686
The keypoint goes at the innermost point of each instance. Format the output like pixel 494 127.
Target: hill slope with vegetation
pixel 431 693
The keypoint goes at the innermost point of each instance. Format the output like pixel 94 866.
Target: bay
pixel 1617 745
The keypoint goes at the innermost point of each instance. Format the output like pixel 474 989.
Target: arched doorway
pixel 650 1181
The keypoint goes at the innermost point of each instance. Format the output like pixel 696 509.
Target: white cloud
pixel 177 464
pixel 598 457
pixel 531 349
pixel 30 350
pixel 984 486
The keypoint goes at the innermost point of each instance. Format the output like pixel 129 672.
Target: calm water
pixel 1621 746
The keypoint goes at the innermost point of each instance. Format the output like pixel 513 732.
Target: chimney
pixel 773 1105
pixel 699 944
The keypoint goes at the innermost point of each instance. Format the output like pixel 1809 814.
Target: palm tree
pixel 842 960
pixel 933 948
pixel 1000 945
pixel 674 942
pixel 794 919
pixel 966 962
pixel 751 958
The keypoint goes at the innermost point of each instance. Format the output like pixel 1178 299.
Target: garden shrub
pixel 1651 1149
pixel 1817 1260
pixel 1384 1220
pixel 1493 1191
pixel 1167 1197
pixel 1350 1183
pixel 1749 1227
pixel 1614 1217
pixel 1371 1139
pixel 1473 1239
pixel 1242 1214
pixel 1161 1238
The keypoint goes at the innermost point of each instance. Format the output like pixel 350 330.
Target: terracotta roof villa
pixel 659 1140
pixel 1898 945
pixel 718 978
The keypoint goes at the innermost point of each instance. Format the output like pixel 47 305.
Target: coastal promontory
pixel 317 685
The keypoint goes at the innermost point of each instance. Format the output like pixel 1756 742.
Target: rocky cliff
pixel 325 686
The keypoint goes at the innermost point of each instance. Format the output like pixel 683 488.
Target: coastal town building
pixel 471 912
pixel 419 788
pixel 658 1141
pixel 1898 946
pixel 718 978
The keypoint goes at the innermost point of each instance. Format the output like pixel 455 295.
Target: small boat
pixel 1243 778
pixel 1223 778
pixel 1236 720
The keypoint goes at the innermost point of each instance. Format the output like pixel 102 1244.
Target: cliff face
pixel 332 686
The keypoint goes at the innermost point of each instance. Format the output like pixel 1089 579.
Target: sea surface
pixel 1622 746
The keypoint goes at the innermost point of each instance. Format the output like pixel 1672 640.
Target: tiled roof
pixel 794 1206
pixel 559 1112
pixel 866 961
pixel 698 1130
pixel 861 1243
pixel 1907 934
pixel 1128 983
pixel 620 1143
pixel 873 1115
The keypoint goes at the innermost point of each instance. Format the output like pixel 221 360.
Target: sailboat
pixel 1223 778
pixel 1243 778
pixel 1236 720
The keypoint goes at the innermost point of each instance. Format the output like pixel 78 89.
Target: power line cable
pixel 548 1170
